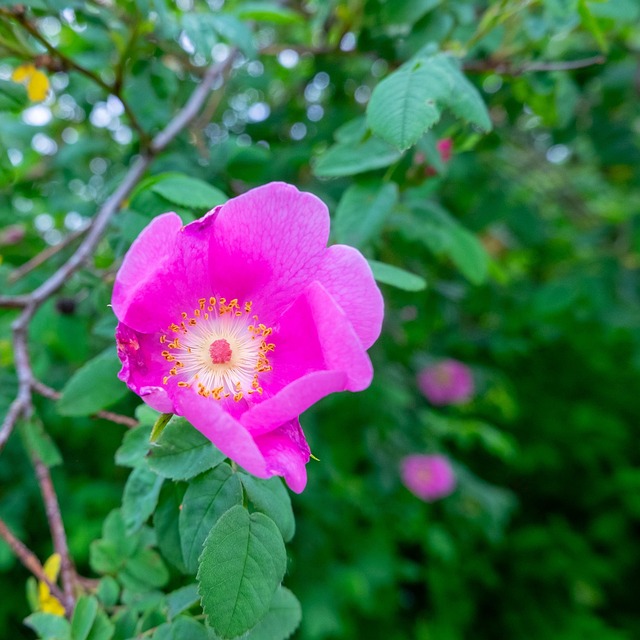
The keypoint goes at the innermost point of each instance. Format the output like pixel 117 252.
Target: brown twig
pixel 29 303
pixel 507 68
pixel 44 255
pixel 22 406
pixel 30 561
pixel 58 535
pixel 52 394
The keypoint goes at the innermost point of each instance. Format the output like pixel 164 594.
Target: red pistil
pixel 220 351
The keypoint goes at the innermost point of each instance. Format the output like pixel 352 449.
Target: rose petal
pixel 267 245
pixel 286 453
pixel 310 363
pixel 142 367
pixel 347 276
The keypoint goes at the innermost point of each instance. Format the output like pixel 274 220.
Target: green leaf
pixel 468 254
pixel 207 498
pixel 182 599
pixel 165 522
pixel 363 210
pixel 181 628
pixel 267 12
pixel 39 441
pixel 182 452
pixel 135 445
pixel 403 106
pixel 140 497
pixel 203 30
pixel 282 619
pixel 235 32
pixel 347 159
pixel 83 617
pixel 397 277
pixel 93 387
pixel 144 571
pixel 241 567
pixel 108 591
pixel 271 498
pixel 104 557
pixel 49 626
pixel 406 12
pixel 102 629
pixel 591 24
pixel 108 554
pixel 410 100
pixel 13 96
pixel 444 235
pixel 189 192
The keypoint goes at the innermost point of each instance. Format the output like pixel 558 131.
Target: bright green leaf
pixel 271 498
pixel 102 629
pixel 347 159
pixel 182 452
pixel 83 617
pixel 282 619
pixel 241 567
pixel 134 447
pixel 410 100
pixel 40 442
pixel 165 522
pixel 267 12
pixel 189 192
pixel 49 626
pixel 108 591
pixel 182 599
pixel 144 571
pixel 363 210
pixel 181 628
pixel 207 498
pixel 403 106
pixel 94 386
pixel 397 277
pixel 140 497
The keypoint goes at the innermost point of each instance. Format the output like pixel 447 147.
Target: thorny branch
pixel 516 69
pixel 52 508
pixel 22 406
pixel 52 394
pixel 29 560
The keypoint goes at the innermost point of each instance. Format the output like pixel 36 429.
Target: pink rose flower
pixel 243 319
pixel 428 477
pixel 447 382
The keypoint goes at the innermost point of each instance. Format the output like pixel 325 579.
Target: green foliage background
pixel 528 240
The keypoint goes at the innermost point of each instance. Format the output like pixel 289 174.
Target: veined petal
pixel 286 453
pixel 164 272
pixel 346 275
pixel 314 358
pixel 267 244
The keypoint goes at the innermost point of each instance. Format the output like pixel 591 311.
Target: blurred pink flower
pixel 13 234
pixel 445 148
pixel 243 319
pixel 429 477
pixel 447 382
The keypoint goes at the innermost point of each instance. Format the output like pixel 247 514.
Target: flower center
pixel 220 349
